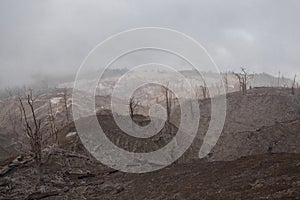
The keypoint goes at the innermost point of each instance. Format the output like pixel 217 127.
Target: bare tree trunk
pixel 294 85
pixel 133 104
pixel 243 79
pixel 32 129
pixel 168 99
pixel 54 130
pixel 204 91
pixel 278 84
pixel 65 98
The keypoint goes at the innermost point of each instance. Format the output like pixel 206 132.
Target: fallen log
pixel 42 195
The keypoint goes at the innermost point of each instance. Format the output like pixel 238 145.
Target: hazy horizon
pixel 53 37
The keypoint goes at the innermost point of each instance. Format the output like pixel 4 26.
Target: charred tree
pixel 294 85
pixel 168 101
pixel 65 101
pixel 32 127
pixel 53 127
pixel 133 105
pixel 243 79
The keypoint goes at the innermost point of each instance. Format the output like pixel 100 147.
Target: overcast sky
pixel 54 36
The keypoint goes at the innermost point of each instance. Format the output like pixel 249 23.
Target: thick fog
pixel 52 37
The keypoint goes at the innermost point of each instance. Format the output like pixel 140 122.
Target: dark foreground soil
pixel 67 175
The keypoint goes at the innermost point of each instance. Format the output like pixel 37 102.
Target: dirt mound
pixel 264 118
pixel 260 107
pixel 280 137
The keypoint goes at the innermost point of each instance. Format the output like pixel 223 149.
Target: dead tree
pixel 243 79
pixel 168 98
pixel 204 91
pixel 133 105
pixel 32 128
pixel 65 99
pixel 53 127
pixel 294 85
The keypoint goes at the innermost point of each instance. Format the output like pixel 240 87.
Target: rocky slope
pixel 256 157
pixel 266 119
pixel 254 123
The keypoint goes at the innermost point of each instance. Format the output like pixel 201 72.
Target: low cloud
pixel 54 36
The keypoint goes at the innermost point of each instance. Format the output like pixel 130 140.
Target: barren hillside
pixel 257 155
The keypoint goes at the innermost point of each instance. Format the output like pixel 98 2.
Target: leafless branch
pixel 133 104
pixel 32 128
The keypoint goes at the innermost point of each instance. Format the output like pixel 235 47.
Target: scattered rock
pixel 71 134
pixel 4 182
pixel 256 184
pixel 119 189
pixel 5 170
pixel 66 189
